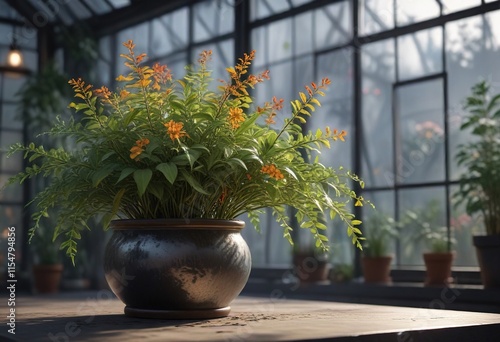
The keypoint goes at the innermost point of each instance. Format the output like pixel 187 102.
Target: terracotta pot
pixel 377 270
pixel 438 269
pixel 488 256
pixel 309 268
pixel 47 278
pixel 175 268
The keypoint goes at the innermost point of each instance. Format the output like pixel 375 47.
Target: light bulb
pixel 15 58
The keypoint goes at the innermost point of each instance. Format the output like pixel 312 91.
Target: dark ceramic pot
pixel 488 256
pixel 176 268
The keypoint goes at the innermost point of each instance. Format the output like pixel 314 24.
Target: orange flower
pixel 174 129
pixel 136 150
pixel 140 58
pixel 277 104
pixel 336 135
pixel 272 171
pixel 105 93
pixel 205 56
pixel 124 93
pixel 161 75
pixel 129 44
pixel 235 117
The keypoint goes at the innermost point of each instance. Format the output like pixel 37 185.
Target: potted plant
pixel 438 258
pixel 47 267
pixel 311 264
pixel 170 165
pixel 380 231
pixel 479 183
pixel 342 273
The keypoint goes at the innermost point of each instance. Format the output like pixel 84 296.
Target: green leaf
pixel 100 174
pixel 193 182
pixel 125 173
pixel 142 178
pixel 114 210
pixel 169 170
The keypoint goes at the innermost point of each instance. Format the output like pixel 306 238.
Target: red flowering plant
pixel 165 148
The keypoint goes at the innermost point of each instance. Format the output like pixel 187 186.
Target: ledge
pixel 454 297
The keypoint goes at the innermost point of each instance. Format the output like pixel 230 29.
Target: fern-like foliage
pixel 164 148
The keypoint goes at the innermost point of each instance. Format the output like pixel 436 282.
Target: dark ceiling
pixel 101 17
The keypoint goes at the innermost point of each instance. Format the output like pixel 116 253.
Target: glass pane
pixel 420 53
pixel 280 85
pixel 420 108
pixel 332 25
pixel 176 63
pixel 10 118
pixel 10 216
pixel 268 247
pixel 264 8
pixel 384 201
pixel 14 163
pixel 104 73
pixel 303 31
pixel 410 11
pixel 336 113
pixel 472 48
pixel 259 44
pixel 119 3
pixel 12 193
pixel 170 33
pixel 336 107
pixel 376 16
pixel 100 7
pixel 279 40
pixel 377 124
pixel 454 5
pixel 428 206
pixel 137 34
pixel 300 2
pixel 222 57
pixel 11 87
pixel 464 227
pixel 212 18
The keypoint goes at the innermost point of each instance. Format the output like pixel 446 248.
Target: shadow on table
pixel 66 328
pixel 103 326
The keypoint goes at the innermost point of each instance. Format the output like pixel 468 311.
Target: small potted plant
pixel 438 257
pixel 170 164
pixel 310 264
pixel 479 183
pixel 380 232
pixel 47 266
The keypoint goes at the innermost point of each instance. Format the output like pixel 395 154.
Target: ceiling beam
pixel 135 13
pixel 25 9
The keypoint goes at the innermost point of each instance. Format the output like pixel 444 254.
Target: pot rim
pixel 177 223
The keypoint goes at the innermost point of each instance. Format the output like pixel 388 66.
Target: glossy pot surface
pixel 177 264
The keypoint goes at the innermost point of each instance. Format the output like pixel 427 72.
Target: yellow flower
pixel 235 117
pixel 272 171
pixel 122 78
pixel 174 129
pixel 359 202
pixel 136 150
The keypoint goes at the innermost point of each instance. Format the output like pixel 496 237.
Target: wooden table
pixel 97 316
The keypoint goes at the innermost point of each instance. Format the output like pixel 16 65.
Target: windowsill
pixel 468 296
